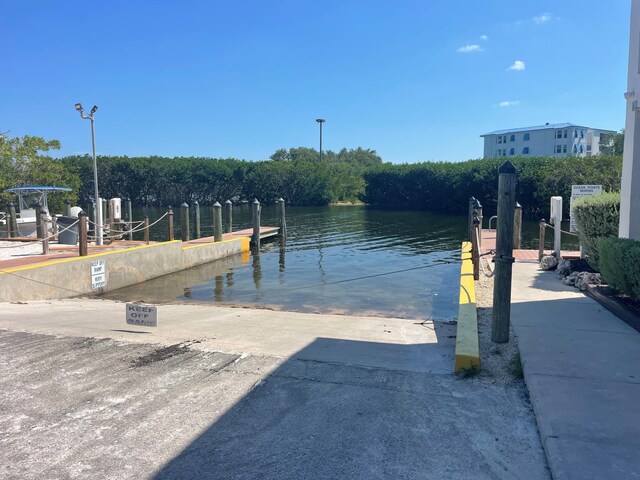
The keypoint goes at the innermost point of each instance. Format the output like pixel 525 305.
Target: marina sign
pixel 578 191
pixel 98 274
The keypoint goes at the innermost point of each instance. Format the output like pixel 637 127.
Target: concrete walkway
pixel 582 367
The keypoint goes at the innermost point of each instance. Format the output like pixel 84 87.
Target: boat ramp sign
pixel 98 274
pixel 142 315
pixel 578 191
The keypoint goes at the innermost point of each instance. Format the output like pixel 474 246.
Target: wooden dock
pixel 521 255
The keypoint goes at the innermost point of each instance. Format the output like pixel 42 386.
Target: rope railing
pixel 138 228
pixel 563 231
pixel 46 238
pixel 481 256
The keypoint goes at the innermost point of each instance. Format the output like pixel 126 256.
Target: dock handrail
pixel 495 217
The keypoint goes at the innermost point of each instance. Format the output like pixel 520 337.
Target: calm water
pixel 351 260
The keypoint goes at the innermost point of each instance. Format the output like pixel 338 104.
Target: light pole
pixel 95 170
pixel 320 121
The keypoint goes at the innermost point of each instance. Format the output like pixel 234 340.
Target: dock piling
pixel 543 226
pixel 517 226
pixel 83 248
pixel 67 208
pixel 170 223
pixel 475 251
pixel 228 205
pixel 504 253
pixel 283 220
pixel 12 221
pixel 127 202
pixel 146 229
pixel 38 209
pixel 184 222
pixel 479 215
pixel 472 202
pixel 44 232
pixel 255 216
pixel 196 215
pixel 217 222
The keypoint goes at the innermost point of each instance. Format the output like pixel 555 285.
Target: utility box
pixel 556 210
pixel 115 209
pixel 556 221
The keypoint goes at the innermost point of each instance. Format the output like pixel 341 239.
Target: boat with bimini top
pixel 28 198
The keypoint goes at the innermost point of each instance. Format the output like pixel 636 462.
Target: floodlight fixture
pixel 79 107
pixel 94 109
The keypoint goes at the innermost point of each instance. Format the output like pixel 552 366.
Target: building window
pixel 581 148
pixel 499 139
pixel 588 148
pixel 526 137
pixel 558 133
pixel 575 149
pixel 512 151
pixel 512 138
pixel 525 150
pixel 575 133
pixel 564 133
pixel 581 133
pixel 558 148
pixel 564 148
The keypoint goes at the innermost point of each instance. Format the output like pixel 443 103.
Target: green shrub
pixel 620 264
pixel 596 217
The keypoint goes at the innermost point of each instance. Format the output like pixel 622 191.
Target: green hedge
pixel 597 217
pixel 620 264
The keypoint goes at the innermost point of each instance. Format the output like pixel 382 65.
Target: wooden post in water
pixel 504 253
pixel 283 220
pixel 543 226
pixel 83 248
pixel 146 229
pixel 217 222
pixel 12 221
pixel 255 217
pixel 475 251
pixel 170 223
pixel 129 217
pixel 44 233
pixel 196 215
pixel 472 202
pixel 184 222
pixel 517 226
pixel 38 209
pixel 228 205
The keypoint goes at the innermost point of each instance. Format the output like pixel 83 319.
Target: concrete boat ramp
pixel 216 392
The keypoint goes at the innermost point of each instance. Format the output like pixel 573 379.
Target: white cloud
pixel 517 65
pixel 509 103
pixel 544 18
pixel 470 48
pixel 484 37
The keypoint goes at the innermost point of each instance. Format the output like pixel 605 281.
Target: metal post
pixel 129 217
pixel 170 223
pixel 196 213
pixel 184 222
pixel 217 222
pixel 83 248
pixel 320 121
pixel 543 226
pixel 44 233
pixel 475 251
pixel 229 214
pixel 255 216
pixel 92 216
pixel 12 222
pixel 67 208
pixel 517 226
pixel 472 202
pixel 99 216
pixel 504 253
pixel 146 229
pixel 283 220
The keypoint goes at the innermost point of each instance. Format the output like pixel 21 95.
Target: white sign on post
pixel 98 274
pixel 142 315
pixel 578 191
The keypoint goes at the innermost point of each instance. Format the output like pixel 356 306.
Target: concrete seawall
pixel 69 277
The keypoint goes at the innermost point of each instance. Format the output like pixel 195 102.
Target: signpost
pixel 578 191
pixel 142 315
pixel 98 274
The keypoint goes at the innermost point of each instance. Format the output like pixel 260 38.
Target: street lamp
pixel 320 121
pixel 98 215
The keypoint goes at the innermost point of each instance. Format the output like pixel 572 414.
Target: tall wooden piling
pixel 217 222
pixel 283 220
pixel 255 217
pixel 196 216
pixel 543 226
pixel 44 232
pixel 170 223
pixel 479 215
pixel 228 206
pixel 472 202
pixel 475 251
pixel 504 253
pixel 129 209
pixel 517 226
pixel 12 221
pixel 146 229
pixel 67 208
pixel 184 222
pixel 83 230
pixel 38 209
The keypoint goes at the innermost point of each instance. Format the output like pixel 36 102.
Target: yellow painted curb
pixel 467 347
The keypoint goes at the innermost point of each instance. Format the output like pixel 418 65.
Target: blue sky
pixel 413 80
